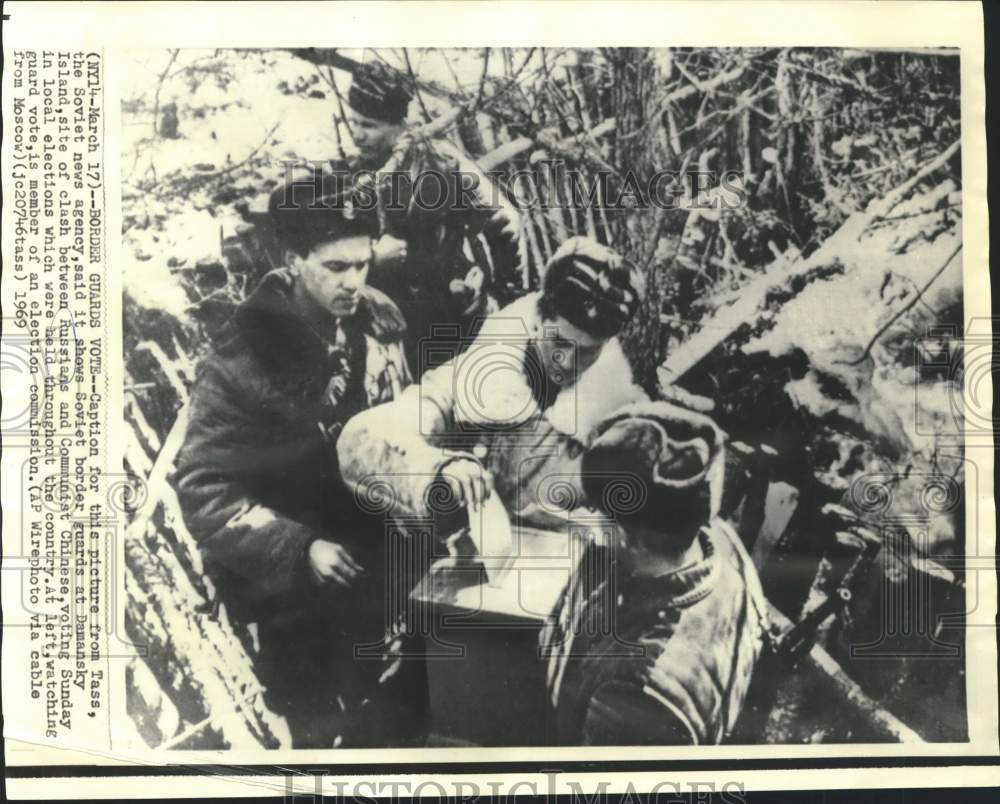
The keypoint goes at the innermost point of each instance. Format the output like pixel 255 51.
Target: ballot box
pixel 483 614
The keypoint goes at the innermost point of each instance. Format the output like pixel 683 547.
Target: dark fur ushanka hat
pixel 379 93
pixel 313 210
pixel 591 286
pixel 656 466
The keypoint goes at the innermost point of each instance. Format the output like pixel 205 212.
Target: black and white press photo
pixel 563 399
pixel 544 396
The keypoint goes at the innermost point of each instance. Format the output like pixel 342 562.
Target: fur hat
pixel 310 211
pixel 379 93
pixel 591 286
pixel 657 467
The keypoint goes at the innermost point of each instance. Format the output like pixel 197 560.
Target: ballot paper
pixel 489 529
pixel 523 585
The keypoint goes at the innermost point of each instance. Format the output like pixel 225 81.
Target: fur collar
pixel 493 384
pixel 275 330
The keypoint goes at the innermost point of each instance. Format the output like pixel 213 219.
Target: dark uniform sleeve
pixel 224 445
pixel 624 713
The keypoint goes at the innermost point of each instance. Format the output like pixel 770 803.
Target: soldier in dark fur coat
pixel 258 476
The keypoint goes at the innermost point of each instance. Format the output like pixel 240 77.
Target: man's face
pixel 374 138
pixel 566 351
pixel 333 273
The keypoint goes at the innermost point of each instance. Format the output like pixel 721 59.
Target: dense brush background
pixel 823 316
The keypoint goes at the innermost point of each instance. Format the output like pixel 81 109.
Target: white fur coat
pixel 534 455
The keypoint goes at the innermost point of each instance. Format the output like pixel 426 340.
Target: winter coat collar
pixel 678 589
pixel 493 389
pixel 277 332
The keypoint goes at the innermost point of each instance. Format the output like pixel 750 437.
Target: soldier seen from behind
pixel 655 638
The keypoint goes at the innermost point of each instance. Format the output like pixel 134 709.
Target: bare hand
pixel 507 221
pixel 469 291
pixel 335 390
pixel 469 482
pixel 330 563
pixel 390 250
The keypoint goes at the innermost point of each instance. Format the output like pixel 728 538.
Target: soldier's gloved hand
pixel 389 250
pixel 469 481
pixel 330 563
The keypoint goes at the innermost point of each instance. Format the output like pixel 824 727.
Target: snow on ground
pixel 226 106
pixel 833 320
pixel 242 117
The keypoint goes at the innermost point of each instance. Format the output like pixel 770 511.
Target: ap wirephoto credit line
pixel 381 418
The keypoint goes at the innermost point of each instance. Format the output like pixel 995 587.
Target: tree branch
pixel 416 87
pixel 887 203
pixel 482 79
pixel 159 85
pixel 904 309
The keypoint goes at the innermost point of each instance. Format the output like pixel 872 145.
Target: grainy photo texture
pixel 539 396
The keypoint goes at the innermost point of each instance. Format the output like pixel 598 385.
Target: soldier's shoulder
pixel 385 321
pixel 277 281
pixel 230 338
pixel 235 358
pixel 518 319
pixel 229 364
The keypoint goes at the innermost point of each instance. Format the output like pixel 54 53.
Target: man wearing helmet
pixel 513 412
pixel 686 609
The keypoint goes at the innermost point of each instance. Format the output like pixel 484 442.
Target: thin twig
pixel 340 108
pixel 831 79
pixel 482 79
pixel 511 83
pixel 341 154
pixel 917 214
pixel 199 180
pixel 888 166
pixel 249 156
pixel 156 97
pixel 904 309
pixel 193 65
pixel 331 82
pixel 916 287
pixel 215 294
pixel 192 730
pixel 454 75
pixel 886 204
pixel 416 86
